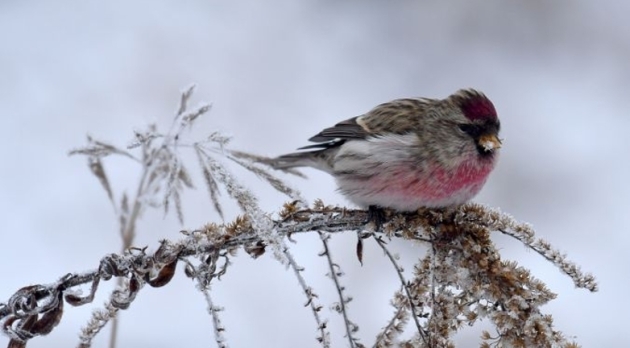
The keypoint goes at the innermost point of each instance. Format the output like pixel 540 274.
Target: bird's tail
pixel 314 159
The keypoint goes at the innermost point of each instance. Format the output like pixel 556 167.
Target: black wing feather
pixel 323 145
pixel 348 129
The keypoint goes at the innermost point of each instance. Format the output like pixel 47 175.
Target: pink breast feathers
pixel 467 179
pixel 403 189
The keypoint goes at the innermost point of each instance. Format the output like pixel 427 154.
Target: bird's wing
pixel 398 116
pixel 348 129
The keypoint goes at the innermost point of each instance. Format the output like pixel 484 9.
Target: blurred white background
pixel 277 72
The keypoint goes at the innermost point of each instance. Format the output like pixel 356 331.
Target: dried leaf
pixel 76 300
pixel 145 139
pixel 275 182
pixel 219 138
pixel 123 214
pixel 183 101
pixel 50 319
pixel 255 250
pixel 189 118
pixel 184 178
pixel 99 149
pixel 164 275
pixel 211 184
pixel 96 167
pixel 360 249
pixel 178 207
pixel 173 169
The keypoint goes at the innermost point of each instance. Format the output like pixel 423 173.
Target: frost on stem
pixel 100 318
pixel 217 326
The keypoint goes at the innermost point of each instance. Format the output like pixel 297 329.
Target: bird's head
pixel 478 119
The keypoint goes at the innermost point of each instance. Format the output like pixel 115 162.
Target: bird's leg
pixel 376 215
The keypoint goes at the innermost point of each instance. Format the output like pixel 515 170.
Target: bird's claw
pixel 376 215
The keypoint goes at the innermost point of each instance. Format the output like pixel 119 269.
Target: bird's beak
pixel 489 142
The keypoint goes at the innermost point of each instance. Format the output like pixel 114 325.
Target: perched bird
pixel 408 153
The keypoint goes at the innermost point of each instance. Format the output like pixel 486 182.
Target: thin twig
pixel 324 338
pixel 542 248
pixel 216 321
pixel 433 286
pixel 339 287
pixel 99 319
pixel 400 315
pixel 405 286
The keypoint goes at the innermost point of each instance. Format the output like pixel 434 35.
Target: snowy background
pixel 277 72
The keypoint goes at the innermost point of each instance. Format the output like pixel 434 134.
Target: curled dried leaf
pixel 164 276
pixel 49 320
pixel 134 285
pixel 255 250
pixel 76 300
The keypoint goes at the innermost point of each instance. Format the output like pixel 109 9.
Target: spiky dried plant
pixel 460 280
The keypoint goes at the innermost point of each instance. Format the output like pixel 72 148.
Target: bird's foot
pixel 376 215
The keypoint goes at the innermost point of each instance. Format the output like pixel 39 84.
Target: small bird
pixel 409 153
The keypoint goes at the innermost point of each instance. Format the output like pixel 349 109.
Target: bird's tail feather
pixel 314 159
pixel 292 160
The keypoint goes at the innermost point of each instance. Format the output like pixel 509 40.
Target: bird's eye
pixel 470 129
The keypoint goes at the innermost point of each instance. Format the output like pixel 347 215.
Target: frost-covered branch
pixel 322 326
pixel 473 281
pixel 341 306
pixel 217 326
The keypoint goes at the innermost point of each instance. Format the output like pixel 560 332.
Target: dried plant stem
pixel 342 300
pixel 433 302
pixel 324 335
pixel 99 319
pixel 381 338
pixel 113 334
pixel 494 219
pixel 217 326
pixel 128 234
pixel 405 286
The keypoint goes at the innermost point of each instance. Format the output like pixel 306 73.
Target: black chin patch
pixel 477 129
